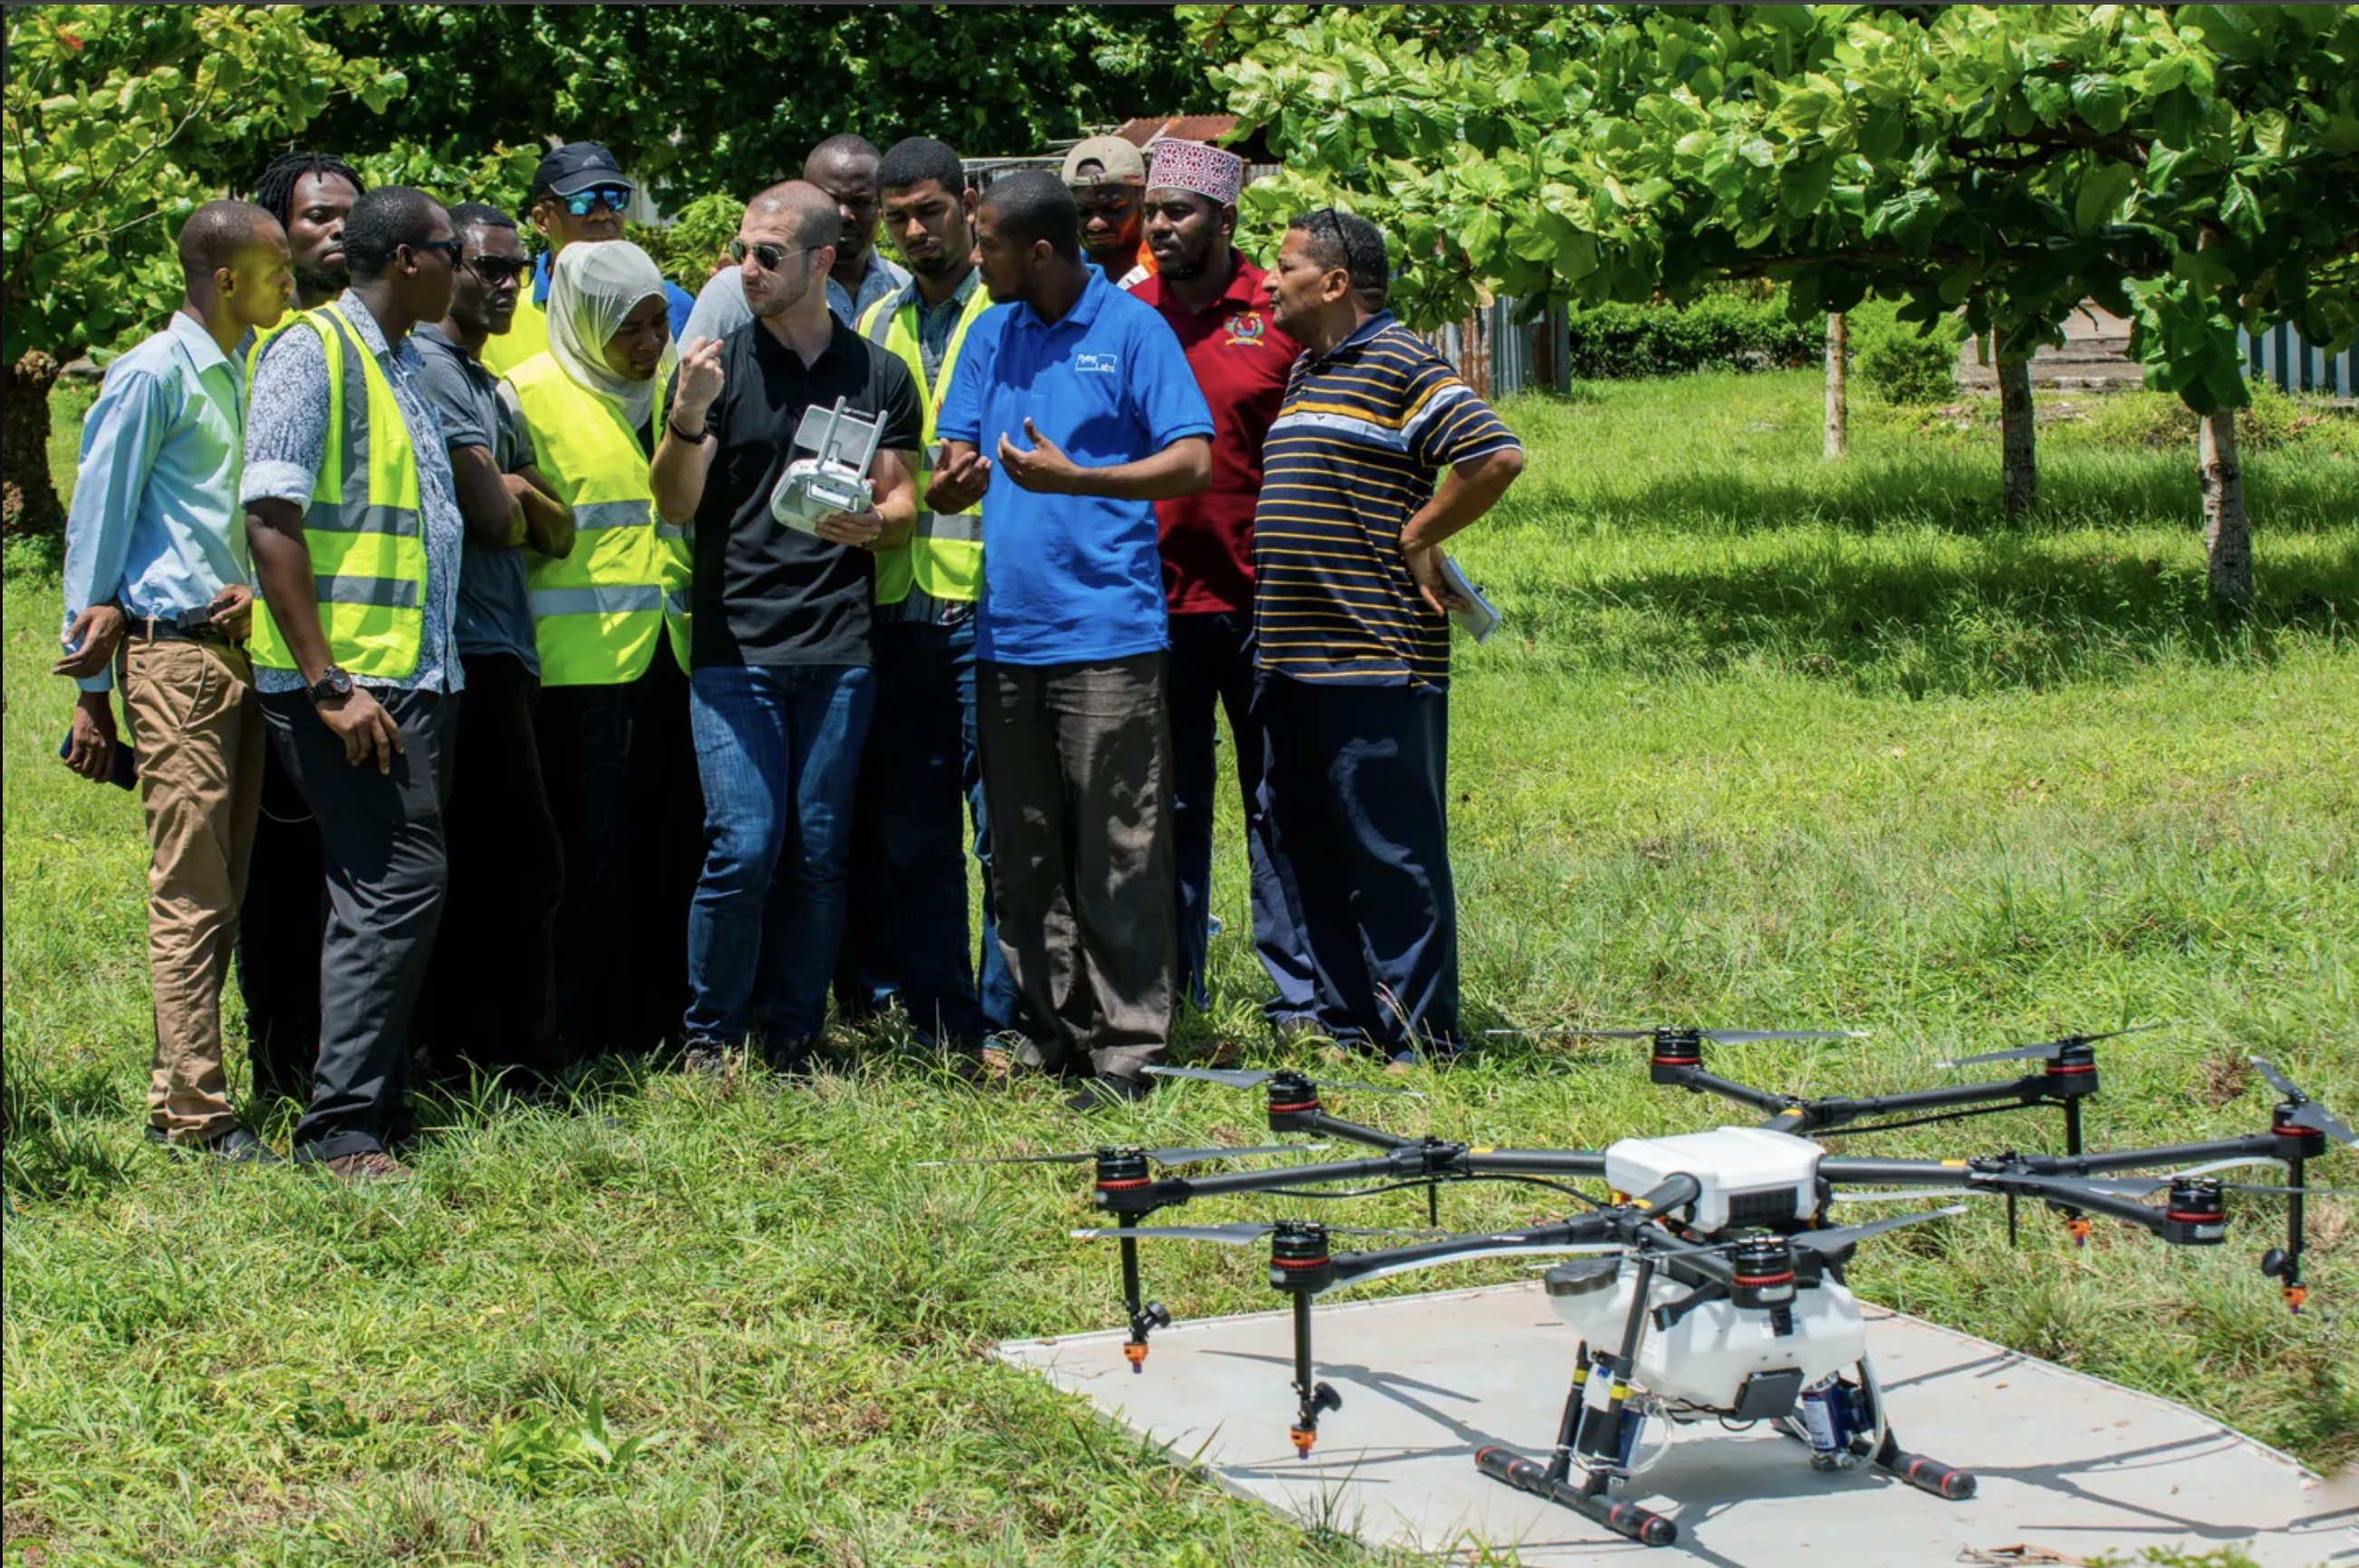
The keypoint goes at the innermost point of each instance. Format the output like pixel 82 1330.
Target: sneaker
pixel 368 1166
pixel 788 1058
pixel 1295 1029
pixel 239 1147
pixel 1107 1092
pixel 705 1059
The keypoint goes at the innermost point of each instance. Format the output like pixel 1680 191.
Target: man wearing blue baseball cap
pixel 578 192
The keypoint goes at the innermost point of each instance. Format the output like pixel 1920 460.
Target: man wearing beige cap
pixel 1108 179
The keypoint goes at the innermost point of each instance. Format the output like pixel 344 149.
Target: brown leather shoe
pixel 370 1165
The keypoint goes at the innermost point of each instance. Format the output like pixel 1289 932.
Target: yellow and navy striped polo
pixel 1352 454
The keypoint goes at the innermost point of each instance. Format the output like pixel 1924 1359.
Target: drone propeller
pixel 2146 1186
pixel 1160 1156
pixel 1253 1077
pixel 1716 1037
pixel 1827 1243
pixel 1242 1233
pixel 2048 1050
pixel 2307 1113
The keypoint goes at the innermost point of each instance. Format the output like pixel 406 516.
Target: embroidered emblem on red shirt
pixel 1244 329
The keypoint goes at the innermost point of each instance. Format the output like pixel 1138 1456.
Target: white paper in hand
pixel 1477 619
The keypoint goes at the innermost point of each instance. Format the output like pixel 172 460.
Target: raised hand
pixel 960 476
pixel 1044 469
pixel 699 383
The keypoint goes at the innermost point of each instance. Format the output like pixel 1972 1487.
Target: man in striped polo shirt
pixel 1351 614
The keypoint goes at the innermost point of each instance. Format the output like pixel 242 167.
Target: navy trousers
pixel 1212 670
pixel 1357 786
pixel 909 937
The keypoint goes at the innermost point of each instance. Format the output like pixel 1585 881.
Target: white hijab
pixel 591 289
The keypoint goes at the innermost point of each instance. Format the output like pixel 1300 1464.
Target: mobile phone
pixel 125 772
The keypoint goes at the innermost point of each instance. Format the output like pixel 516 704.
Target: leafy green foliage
pixel 697 99
pixel 695 241
pixel 1718 332
pixel 1904 363
pixel 2006 160
pixel 117 118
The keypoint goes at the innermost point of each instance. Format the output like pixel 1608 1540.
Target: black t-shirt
pixel 767 594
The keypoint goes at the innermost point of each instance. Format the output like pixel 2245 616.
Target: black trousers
pixel 1077 775
pixel 620 767
pixel 387 866
pixel 491 990
pixel 1358 789
pixel 279 929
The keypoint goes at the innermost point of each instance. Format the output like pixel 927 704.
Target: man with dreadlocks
pixel 284 917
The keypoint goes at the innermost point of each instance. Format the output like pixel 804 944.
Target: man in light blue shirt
pixel 845 167
pixel 158 591
pixel 1073 405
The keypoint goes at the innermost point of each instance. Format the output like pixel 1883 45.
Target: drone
pixel 1709 1285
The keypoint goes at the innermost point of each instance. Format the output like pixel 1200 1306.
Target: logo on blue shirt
pixel 1098 363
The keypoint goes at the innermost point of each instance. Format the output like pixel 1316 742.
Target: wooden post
pixel 2018 460
pixel 29 502
pixel 2227 531
pixel 1838 443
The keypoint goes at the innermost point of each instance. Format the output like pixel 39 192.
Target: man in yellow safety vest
pixel 356 540
pixel 906 936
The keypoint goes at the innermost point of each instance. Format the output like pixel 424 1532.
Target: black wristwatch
pixel 332 685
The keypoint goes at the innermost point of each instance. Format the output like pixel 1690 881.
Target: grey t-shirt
pixel 476 410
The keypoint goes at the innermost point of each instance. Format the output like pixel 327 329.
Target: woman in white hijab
pixel 609 326
pixel 610 623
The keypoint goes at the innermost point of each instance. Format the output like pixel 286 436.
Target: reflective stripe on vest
pixel 363 528
pixel 944 555
pixel 599 613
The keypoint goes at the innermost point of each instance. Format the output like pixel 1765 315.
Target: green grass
pixel 1762 744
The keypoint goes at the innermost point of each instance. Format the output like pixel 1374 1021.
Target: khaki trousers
pixel 192 711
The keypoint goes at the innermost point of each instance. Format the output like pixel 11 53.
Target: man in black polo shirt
pixel 781 688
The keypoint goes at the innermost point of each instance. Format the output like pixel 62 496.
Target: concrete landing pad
pixel 2065 1462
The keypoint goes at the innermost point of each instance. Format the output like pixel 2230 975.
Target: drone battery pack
pixel 1750 1177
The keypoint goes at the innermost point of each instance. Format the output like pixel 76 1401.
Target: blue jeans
pixel 908 937
pixel 1211 668
pixel 778 751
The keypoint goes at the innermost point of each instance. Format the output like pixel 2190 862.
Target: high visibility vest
pixel 262 339
pixel 597 613
pixel 362 526
pixel 527 337
pixel 944 555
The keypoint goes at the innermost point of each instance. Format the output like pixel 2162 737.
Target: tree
pixel 2003 161
pixel 698 99
pixel 110 113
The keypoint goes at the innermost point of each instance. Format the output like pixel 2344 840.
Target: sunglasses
pixel 450 249
pixel 769 256
pixel 496 270
pixel 614 197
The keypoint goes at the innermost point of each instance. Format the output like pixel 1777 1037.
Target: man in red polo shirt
pixel 1213 299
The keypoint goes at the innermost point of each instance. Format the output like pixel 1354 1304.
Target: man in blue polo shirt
pixel 1071 412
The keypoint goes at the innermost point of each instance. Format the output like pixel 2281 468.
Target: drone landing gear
pixel 1599 1441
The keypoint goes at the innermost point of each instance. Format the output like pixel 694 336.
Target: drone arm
pixel 1533 1162
pixel 1319 1123
pixel 1412 1161
pixel 1696 1078
pixel 2055 1191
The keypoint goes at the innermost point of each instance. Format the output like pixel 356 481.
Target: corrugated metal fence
pixel 2280 356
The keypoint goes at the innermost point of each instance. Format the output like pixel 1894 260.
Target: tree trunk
pixel 2019 463
pixel 2227 534
pixel 1838 387
pixel 29 502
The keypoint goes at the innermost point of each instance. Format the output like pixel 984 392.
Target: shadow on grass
pixel 2016 613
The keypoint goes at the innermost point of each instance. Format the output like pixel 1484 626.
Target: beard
pixel 1185 268
pixel 783 296
pixel 938 265
pixel 319 280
